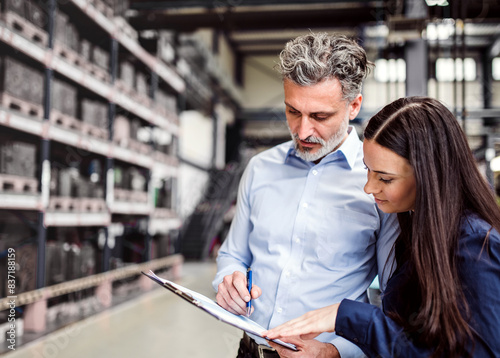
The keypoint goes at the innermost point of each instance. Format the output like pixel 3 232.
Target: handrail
pixel 79 284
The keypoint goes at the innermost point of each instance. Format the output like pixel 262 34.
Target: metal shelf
pixel 45 122
pixel 130 208
pixel 87 80
pixel 76 219
pixel 17 201
pixel 163 226
pixel 111 27
pixel 45 129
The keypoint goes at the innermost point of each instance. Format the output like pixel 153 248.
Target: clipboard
pixel 211 307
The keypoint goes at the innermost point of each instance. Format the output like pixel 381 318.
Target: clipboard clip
pixel 172 288
pixel 183 294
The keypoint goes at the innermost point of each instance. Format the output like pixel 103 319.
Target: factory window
pixel 496 68
pixel 446 71
pixel 393 70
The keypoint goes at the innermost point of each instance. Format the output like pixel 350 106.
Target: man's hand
pixel 309 348
pixel 232 293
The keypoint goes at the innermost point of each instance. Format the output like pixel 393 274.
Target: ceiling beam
pixel 180 4
pixel 269 20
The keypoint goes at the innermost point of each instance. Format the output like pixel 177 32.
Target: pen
pixel 249 283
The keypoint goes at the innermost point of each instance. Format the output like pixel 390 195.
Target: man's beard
pixel 326 146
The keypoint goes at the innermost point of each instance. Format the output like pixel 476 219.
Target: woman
pixel 443 299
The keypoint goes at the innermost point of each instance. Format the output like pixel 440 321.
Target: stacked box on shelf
pixel 129 179
pixel 94 115
pixel 17 235
pixel 141 84
pixel 134 179
pixel 88 265
pixel 125 134
pixel 135 126
pixel 96 58
pixel 12 78
pixel 28 10
pixel 66 32
pixel 64 105
pixel 36 14
pixel 17 6
pixel 86 49
pixel 28 18
pixel 90 182
pixel 100 57
pixel 18 158
pixel 73 265
pixel 66 259
pixel 54 181
pixel 83 188
pixel 55 263
pixel 165 103
pixel 121 130
pixel 67 181
pixel 21 86
pixel 26 259
pixel 64 98
pixel 127 74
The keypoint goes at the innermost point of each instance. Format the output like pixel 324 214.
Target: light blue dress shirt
pixel 310 233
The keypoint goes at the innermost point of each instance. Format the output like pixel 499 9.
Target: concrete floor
pixel 157 324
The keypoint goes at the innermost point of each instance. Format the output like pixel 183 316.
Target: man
pixel 303 222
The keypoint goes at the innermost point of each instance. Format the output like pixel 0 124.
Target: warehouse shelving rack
pixel 39 46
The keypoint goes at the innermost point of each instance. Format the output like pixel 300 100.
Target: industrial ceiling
pixel 263 26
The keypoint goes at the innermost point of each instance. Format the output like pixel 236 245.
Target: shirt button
pixel 297 240
pixel 340 333
pixel 287 273
pixel 279 310
pixel 315 172
pixel 304 205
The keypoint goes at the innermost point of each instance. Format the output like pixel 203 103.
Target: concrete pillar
pixel 416 68
pixel 35 316
pixel 104 293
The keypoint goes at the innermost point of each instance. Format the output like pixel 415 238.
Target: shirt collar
pixel 348 150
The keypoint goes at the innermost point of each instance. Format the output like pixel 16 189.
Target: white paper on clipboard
pixel 210 306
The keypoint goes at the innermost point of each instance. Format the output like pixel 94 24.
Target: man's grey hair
pixel 312 58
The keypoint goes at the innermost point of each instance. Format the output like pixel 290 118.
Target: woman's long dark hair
pixel 448 183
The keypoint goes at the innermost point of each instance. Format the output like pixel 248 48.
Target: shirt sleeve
pixel 387 235
pixel 347 349
pixel 234 254
pixel 376 334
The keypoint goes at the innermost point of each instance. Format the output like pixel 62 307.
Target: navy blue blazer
pixel 479 270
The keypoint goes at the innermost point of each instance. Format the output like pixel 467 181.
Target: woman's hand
pixel 308 325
